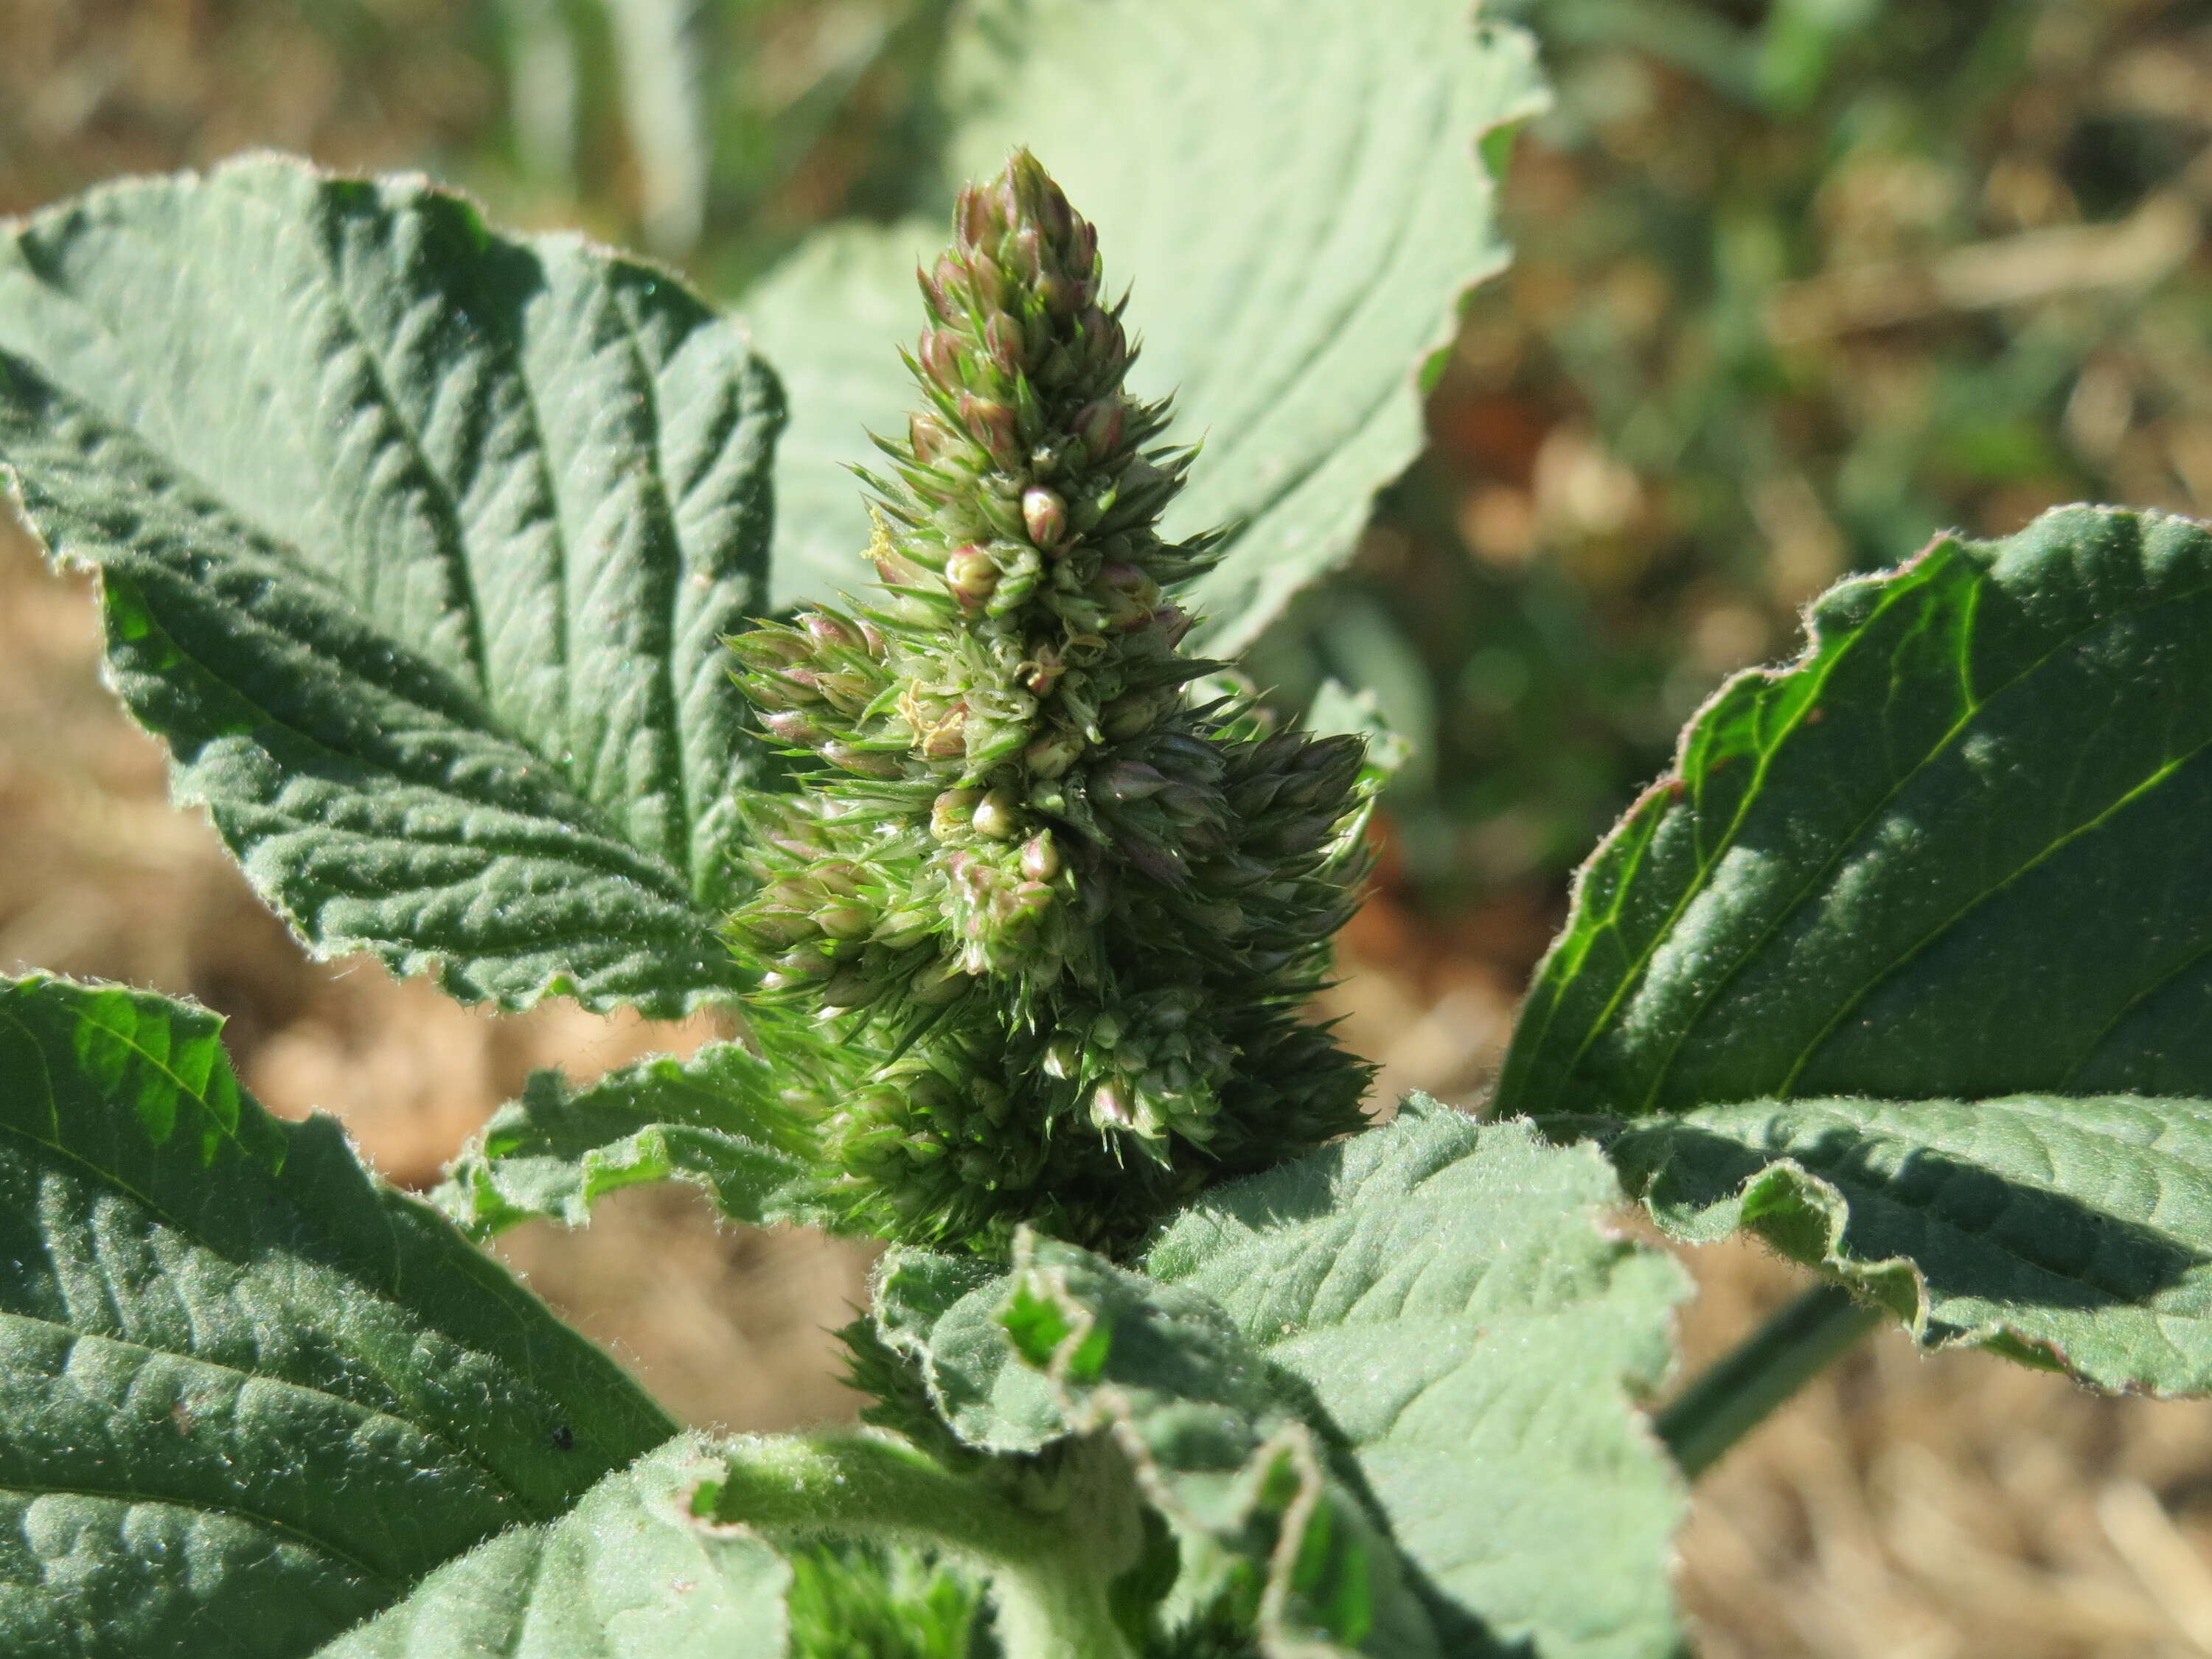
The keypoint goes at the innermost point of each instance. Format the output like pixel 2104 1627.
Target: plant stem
pixel 1050 1571
pixel 1735 1395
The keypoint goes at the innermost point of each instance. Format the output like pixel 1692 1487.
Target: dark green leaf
pixel 627 1574
pixel 1955 851
pixel 418 546
pixel 251 1396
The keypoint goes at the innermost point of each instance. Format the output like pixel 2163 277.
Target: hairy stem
pixel 1050 1564
pixel 1738 1391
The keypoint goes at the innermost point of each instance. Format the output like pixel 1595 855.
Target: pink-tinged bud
pixel 991 424
pixel 939 353
pixel 1042 672
pixel 948 738
pixel 997 816
pixel 1040 858
pixel 1129 716
pixel 904 929
pixel 1025 254
pixel 829 629
pixel 927 435
pixel 1120 578
pixel 1049 758
pixel 1044 514
pixel 1032 898
pixel 948 276
pixel 768 648
pixel 868 763
pixel 1172 623
pixel 1099 425
pixel 1110 1107
pixel 970 575
pixel 1005 202
pixel 1132 781
pixel 971 214
pixel 1002 340
pixel 1063 1058
pixel 800 730
pixel 1082 248
pixel 872 637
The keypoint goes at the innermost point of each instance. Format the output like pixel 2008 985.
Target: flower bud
pixel 949 813
pixel 1127 780
pixel 970 575
pixel 1002 340
pixel 1099 425
pixel 997 816
pixel 867 763
pixel 1051 757
pixel 829 630
pixel 1044 514
pixel 940 352
pixel 1040 858
pixel 928 437
pixel 844 922
pixel 788 725
pixel 990 424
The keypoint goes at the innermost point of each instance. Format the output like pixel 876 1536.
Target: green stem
pixel 1735 1396
pixel 1050 1568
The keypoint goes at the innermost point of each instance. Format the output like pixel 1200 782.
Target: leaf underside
pixel 417 545
pixel 1433 1297
pixel 713 1120
pixel 1932 899
pixel 1293 187
pixel 2075 1228
pixel 251 1396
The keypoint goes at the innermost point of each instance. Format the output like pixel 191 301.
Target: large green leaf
pixel 2076 1228
pixel 1294 189
pixel 250 1395
pixel 1444 1291
pixel 714 1120
pixel 1956 851
pixel 418 545
pixel 627 1574
pixel 1435 1296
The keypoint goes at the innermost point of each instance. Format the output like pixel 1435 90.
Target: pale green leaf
pixel 2077 1229
pixel 1298 190
pixel 714 1120
pixel 418 545
pixel 251 1396
pixel 1445 1291
pixel 627 1574
pixel 1955 851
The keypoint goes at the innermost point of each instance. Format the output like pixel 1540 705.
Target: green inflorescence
pixel 1036 931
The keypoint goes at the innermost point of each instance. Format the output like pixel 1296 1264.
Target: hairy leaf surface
pixel 251 1396
pixel 1444 1292
pixel 714 1119
pixel 627 1574
pixel 1294 189
pixel 418 545
pixel 1434 1297
pixel 1956 851
pixel 2077 1228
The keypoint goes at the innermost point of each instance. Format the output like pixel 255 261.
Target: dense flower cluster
pixel 1040 920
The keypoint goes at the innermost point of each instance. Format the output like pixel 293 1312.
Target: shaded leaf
pixel 2079 1228
pixel 418 545
pixel 1294 189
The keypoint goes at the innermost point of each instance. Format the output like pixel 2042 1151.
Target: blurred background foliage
pixel 1799 283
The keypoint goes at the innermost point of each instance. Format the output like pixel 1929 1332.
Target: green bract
pixel 439 560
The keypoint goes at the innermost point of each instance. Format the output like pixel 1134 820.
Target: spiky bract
pixel 1040 923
